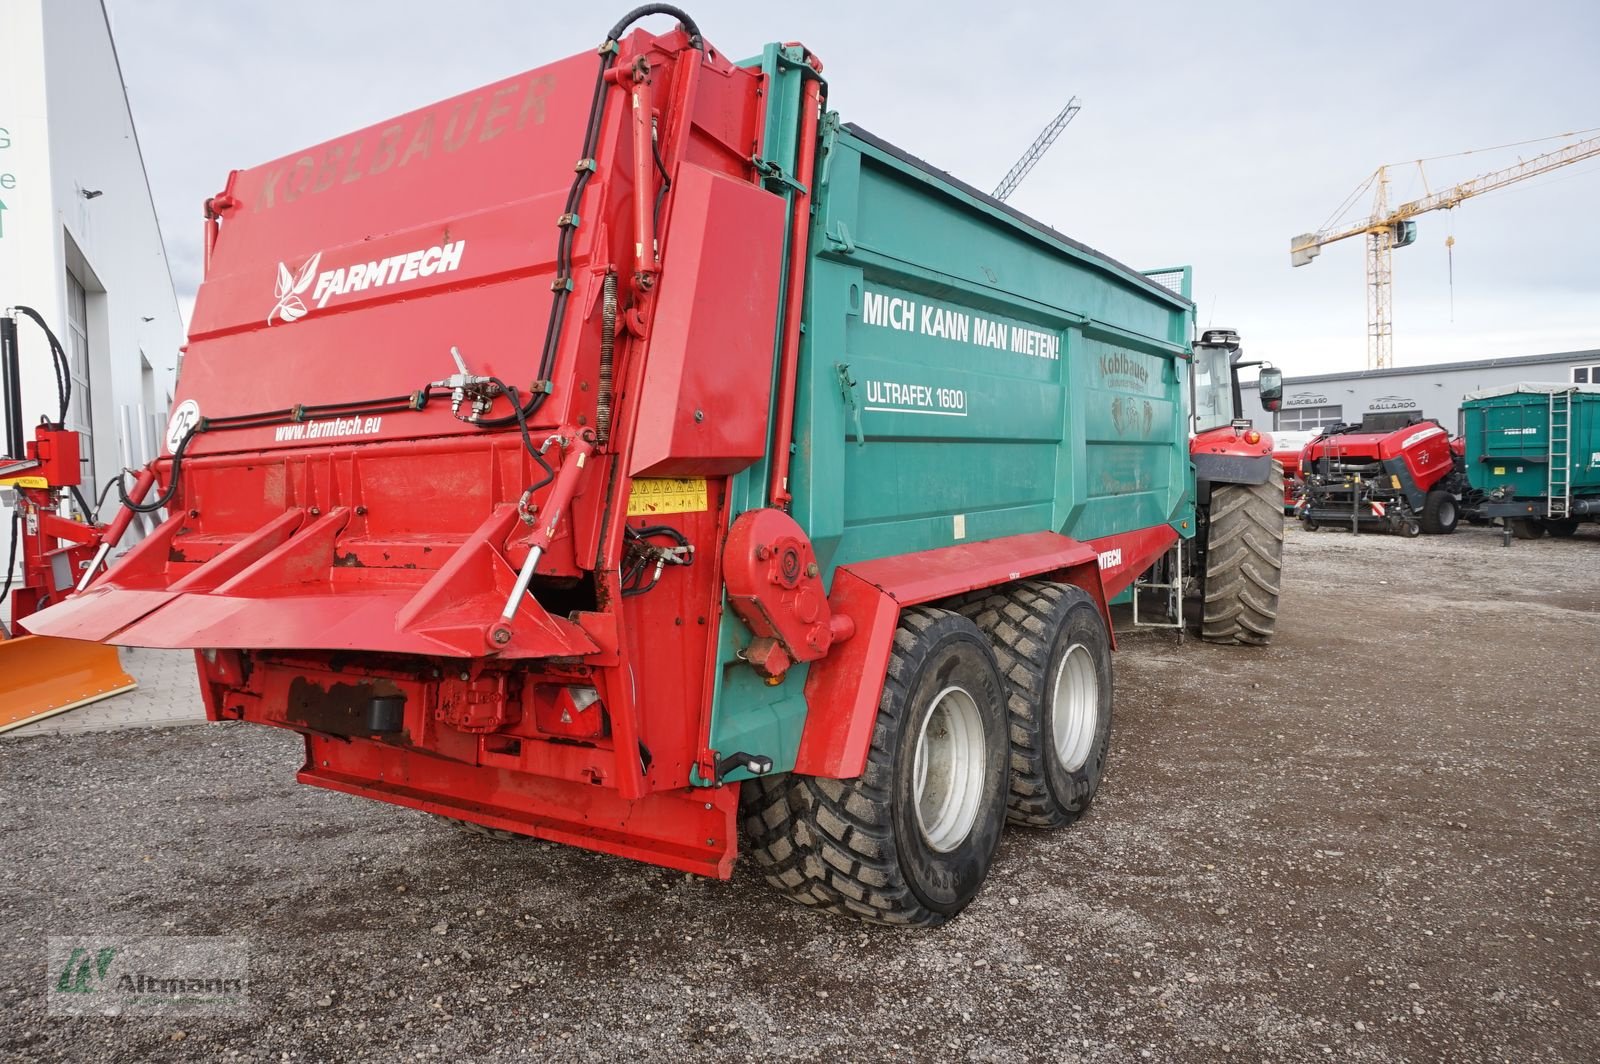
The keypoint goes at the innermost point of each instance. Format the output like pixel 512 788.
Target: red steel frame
pixel 54 546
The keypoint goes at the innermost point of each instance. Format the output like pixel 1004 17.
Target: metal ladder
pixel 1559 504
pixel 1173 586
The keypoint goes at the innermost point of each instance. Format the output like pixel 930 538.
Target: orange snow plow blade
pixel 41 676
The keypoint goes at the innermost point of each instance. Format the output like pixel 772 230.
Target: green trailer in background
pixel 1533 452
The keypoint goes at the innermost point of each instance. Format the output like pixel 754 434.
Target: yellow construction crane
pixel 1389 228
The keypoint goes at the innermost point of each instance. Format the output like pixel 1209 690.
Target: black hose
pixel 646 10
pixel 666 182
pixel 94 515
pixel 527 440
pixel 388 405
pixel 640 554
pixel 172 479
pixel 58 354
pixel 586 166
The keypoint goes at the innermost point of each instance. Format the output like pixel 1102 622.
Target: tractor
pixel 1238 547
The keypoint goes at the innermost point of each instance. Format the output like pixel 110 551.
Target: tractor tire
pixel 1525 527
pixel 1055 656
pixel 909 841
pixel 1244 562
pixel 468 827
pixel 1440 513
pixel 1561 527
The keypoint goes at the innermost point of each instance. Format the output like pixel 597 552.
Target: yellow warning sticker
pixel 667 495
pixel 25 482
pixel 1499 470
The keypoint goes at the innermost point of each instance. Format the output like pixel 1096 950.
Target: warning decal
pixel 667 495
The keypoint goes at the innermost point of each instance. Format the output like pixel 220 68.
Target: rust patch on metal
pixel 339 709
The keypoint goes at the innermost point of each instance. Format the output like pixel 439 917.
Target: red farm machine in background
pixel 40 676
pixel 1389 472
pixel 628 456
pixel 1286 450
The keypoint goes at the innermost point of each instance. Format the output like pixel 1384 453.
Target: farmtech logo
pixel 288 290
pixel 357 277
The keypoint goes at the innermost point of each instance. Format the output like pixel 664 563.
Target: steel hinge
pixel 772 173
pixel 840 240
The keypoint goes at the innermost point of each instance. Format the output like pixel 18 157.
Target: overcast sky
pixel 1210 132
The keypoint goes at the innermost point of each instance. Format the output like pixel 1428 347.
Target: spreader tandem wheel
pixel 1244 561
pixel 1055 656
pixel 910 840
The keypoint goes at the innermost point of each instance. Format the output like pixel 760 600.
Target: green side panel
pixel 964 375
pixel 1508 443
pixel 747 714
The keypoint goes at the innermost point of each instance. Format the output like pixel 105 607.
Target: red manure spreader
pixel 1388 472
pixel 631 453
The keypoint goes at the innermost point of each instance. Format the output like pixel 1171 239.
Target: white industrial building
pixel 1435 391
pixel 78 236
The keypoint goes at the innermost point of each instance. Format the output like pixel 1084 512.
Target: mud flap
pixel 41 676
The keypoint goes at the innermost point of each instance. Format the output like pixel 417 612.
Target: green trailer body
pixel 965 374
pixel 1533 450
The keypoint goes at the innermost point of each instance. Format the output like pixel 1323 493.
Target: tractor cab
pixel 1224 445
pixel 1217 402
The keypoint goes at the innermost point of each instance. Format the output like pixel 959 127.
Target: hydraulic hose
pixel 417 400
pixel 646 10
pixel 585 169
pixel 172 479
pixel 58 358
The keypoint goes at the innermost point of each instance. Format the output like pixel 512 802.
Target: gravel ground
pixel 1374 841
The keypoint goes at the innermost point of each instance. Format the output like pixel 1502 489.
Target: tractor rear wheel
pixel 911 839
pixel 1244 561
pixel 1055 655
pixel 1525 527
pixel 1440 513
pixel 1561 527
